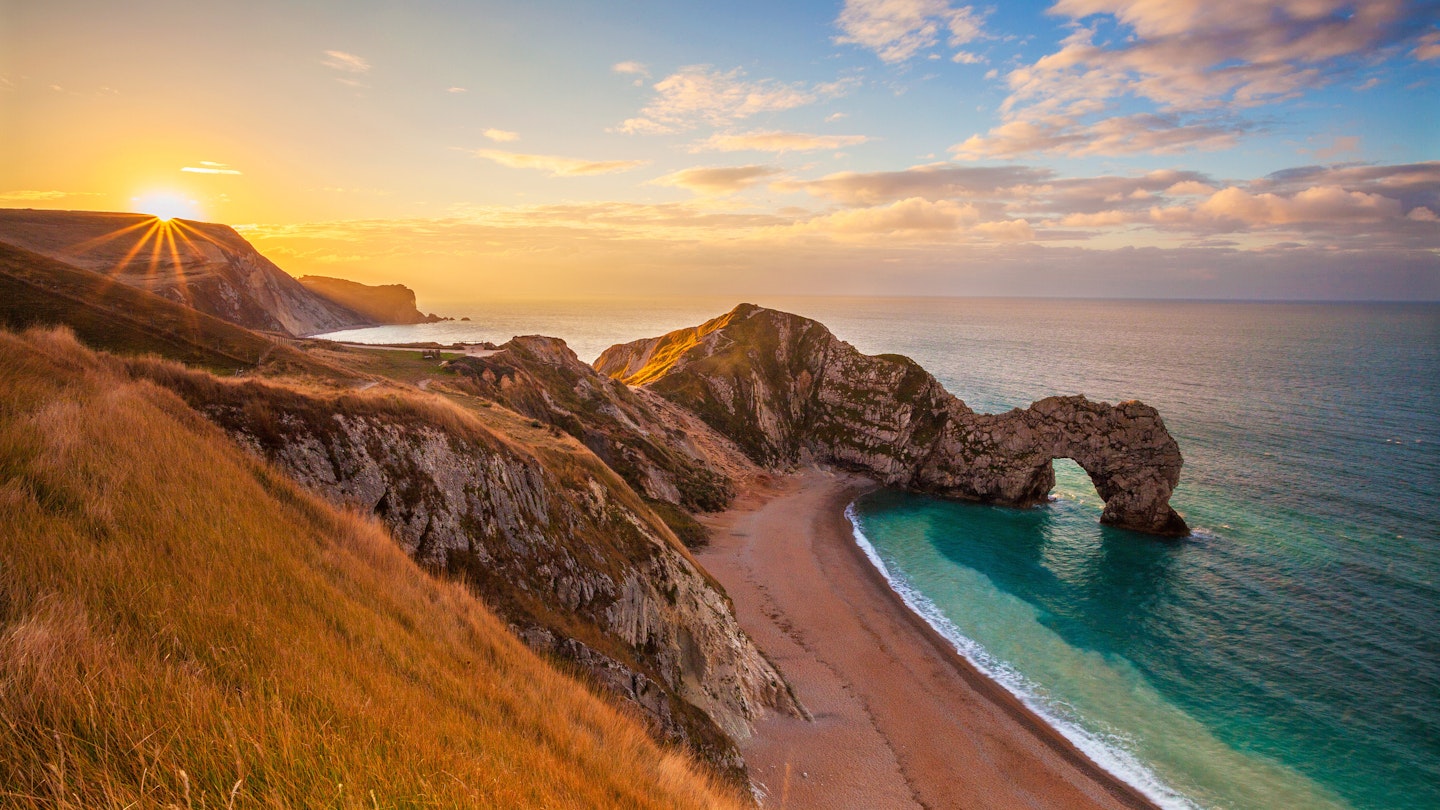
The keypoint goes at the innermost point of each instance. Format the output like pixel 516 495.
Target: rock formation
pixel 554 541
pixel 651 443
pixel 382 303
pixel 204 266
pixel 781 385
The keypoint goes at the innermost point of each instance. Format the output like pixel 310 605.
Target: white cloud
pixel 700 95
pixel 211 167
pixel 771 141
pixel 346 62
pixel 636 69
pixel 558 166
pixel 898 30
pixel 501 135
pixel 457 90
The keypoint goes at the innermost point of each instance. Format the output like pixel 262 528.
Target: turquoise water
pixel 1287 654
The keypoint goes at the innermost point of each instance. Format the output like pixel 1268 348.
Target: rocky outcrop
pixel 382 303
pixel 204 266
pixel 552 539
pixel 781 385
pixel 661 453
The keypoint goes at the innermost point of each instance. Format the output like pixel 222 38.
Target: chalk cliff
pixel 781 385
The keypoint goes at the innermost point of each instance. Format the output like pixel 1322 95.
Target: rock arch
pixel 783 387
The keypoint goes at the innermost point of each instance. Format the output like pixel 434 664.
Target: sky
pixel 1093 148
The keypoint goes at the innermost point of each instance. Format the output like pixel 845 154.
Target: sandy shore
pixel 900 719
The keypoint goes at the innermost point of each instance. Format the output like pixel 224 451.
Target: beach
pixel 899 719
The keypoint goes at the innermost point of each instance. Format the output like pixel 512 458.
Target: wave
pixel 1107 752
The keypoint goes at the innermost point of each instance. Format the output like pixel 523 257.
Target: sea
pixel 1284 655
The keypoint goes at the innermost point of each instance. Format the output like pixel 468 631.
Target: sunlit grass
pixel 180 625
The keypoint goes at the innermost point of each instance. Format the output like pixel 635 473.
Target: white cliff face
pixel 569 555
pixel 778 384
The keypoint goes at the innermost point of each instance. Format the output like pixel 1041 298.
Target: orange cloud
pixel 717 180
pixel 559 166
pixel 772 141
pixel 346 62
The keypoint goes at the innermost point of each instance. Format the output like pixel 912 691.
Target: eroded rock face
pixel 658 452
pixel 554 541
pixel 779 384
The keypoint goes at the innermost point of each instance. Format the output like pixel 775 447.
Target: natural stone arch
pixel 1132 460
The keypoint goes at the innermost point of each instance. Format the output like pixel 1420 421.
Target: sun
pixel 166 205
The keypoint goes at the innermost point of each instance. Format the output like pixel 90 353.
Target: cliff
pixel 661 451
pixel 781 385
pixel 204 266
pixel 182 626
pixel 545 532
pixel 384 303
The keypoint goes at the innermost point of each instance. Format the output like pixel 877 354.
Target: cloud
pixel 457 90
pixel 927 182
pixel 771 141
pixel 914 214
pixel 559 166
pixel 1319 205
pixel 1193 54
pixel 346 62
pixel 718 179
pixel 211 167
pixel 700 95
pixel 1339 145
pixel 635 69
pixel 30 195
pixel 1144 132
pixel 1429 47
pixel 501 135
pixel 898 30
pixel 1182 58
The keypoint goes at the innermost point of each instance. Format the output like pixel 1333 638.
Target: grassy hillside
pixel 181 625
pixel 36 291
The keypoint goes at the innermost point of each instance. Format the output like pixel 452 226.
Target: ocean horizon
pixel 1285 653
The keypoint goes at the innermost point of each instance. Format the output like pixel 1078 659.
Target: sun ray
pixel 105 238
pixel 171 229
pixel 135 249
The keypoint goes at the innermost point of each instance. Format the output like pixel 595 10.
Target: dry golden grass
pixel 182 626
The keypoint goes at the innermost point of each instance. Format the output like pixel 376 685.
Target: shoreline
pixel 901 719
